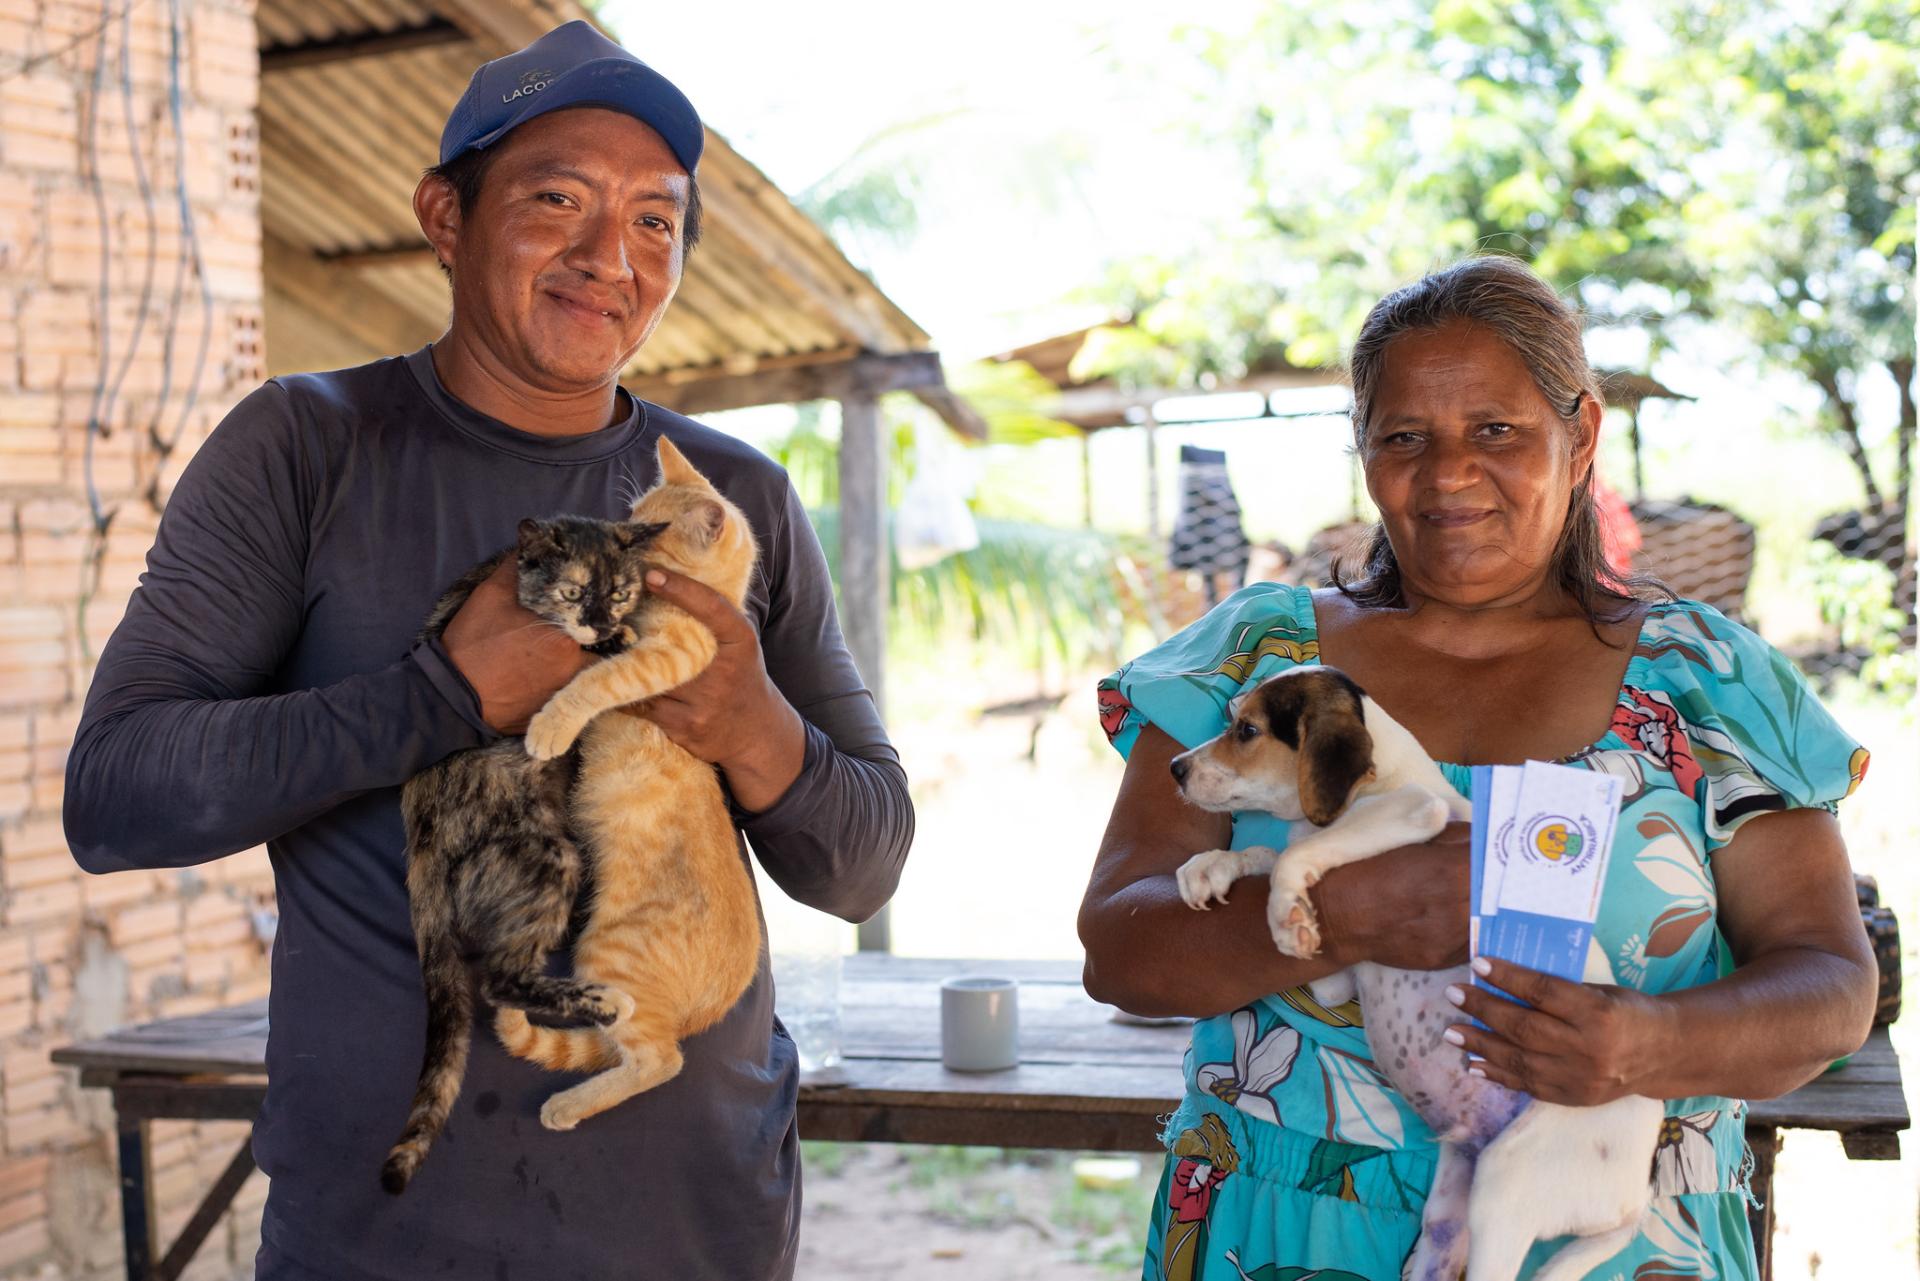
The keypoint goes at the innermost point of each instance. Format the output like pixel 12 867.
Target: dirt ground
pixel 1008 839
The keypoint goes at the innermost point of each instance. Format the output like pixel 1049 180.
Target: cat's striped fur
pixel 674 923
pixel 492 871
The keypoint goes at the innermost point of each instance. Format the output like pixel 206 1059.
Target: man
pixel 266 686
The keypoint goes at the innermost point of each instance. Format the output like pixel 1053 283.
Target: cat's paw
pixel 1206 876
pixel 609 1005
pixel 552 733
pixel 1290 916
pixel 560 1113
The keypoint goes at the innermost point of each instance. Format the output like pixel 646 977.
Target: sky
pixel 1040 133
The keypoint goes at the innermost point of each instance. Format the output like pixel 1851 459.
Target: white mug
pixel 979 1024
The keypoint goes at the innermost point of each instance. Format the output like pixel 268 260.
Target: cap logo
pixel 530 83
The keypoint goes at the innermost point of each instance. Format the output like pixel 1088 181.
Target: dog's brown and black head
pixel 1297 746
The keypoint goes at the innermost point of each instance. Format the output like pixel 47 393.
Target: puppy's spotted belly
pixel 1407 1013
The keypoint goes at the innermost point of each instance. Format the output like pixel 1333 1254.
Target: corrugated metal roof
pixel 353 95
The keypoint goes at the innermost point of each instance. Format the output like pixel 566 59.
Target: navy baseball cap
pixel 571 66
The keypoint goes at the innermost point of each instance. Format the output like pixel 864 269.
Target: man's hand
pixel 513 659
pixel 1406 908
pixel 731 714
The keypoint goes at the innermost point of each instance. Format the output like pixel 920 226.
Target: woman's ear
pixel 436 205
pixel 1336 756
pixel 1586 441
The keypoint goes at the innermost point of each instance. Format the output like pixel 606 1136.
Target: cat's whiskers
pixel 630 490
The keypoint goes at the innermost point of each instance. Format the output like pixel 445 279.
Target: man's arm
pixel 817 787
pixel 180 757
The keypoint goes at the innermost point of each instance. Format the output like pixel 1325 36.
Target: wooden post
pixel 1764 1140
pixel 1153 485
pixel 863 569
pixel 1086 474
pixel 1633 434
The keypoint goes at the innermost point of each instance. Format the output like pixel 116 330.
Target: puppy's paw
pixel 551 733
pixel 1206 876
pixel 1290 916
pixel 609 1005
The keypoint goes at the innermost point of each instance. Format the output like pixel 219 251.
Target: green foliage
pixel 1726 160
pixel 1025 585
pixel 1012 397
pixel 1856 599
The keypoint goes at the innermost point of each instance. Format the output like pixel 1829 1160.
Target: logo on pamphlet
pixel 1555 838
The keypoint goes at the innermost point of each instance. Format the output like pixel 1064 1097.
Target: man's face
pixel 573 249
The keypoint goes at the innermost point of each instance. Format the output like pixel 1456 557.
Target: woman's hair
pixel 1516 306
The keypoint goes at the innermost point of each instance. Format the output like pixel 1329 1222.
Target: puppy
pixel 1309 746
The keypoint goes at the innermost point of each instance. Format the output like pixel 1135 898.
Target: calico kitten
pixel 674 924
pixel 492 873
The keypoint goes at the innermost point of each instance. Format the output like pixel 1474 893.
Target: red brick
pixel 22 1209
pixel 20 1063
pixel 22 1174
pixel 25 1243
pixel 131 924
pixel 53 1126
pixel 32 1097
pixel 101 892
pixel 43 902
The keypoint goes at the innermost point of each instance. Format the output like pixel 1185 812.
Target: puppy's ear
pixel 1336 756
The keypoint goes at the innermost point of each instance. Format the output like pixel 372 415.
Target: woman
pixel 1486 621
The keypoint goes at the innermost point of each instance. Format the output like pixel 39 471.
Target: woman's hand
pixel 1406 908
pixel 1581 1044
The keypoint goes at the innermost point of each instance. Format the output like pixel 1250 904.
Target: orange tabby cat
pixel 674 922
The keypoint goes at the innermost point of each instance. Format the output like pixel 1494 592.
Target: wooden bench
pixel 1084 1082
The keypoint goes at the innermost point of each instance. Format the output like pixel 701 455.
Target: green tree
pixel 1749 165
pixel 1811 239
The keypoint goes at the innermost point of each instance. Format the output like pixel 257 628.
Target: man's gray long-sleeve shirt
pixel 265 686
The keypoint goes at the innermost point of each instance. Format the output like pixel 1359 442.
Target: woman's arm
pixel 1803 994
pixel 1149 953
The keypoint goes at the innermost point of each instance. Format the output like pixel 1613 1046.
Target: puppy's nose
pixel 1180 767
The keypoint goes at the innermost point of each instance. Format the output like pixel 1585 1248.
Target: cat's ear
pixel 674 467
pixel 537 538
pixel 637 534
pixel 707 519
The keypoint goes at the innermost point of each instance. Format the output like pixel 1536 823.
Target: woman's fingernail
pixel 1455 995
pixel 1453 1037
pixel 1482 966
pixel 1474 1071
pixel 655 578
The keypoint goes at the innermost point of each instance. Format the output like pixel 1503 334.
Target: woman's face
pixel 1470 466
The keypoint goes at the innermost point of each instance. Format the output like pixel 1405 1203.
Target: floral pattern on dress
pixel 1711 728
pixel 1260 1062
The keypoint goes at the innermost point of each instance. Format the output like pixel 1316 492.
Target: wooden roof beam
pixel 360 44
pixel 404 254
pixel 865 374
pixel 376 321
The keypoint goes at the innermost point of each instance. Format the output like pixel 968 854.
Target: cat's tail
pixel 559 1049
pixel 449 1034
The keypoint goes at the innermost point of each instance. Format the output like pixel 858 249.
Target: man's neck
pixel 477 380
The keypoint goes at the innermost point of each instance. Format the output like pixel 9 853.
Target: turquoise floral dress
pixel 1290 1158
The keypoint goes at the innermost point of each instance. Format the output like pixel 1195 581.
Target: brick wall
pixel 80 954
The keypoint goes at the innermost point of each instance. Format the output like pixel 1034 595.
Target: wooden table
pixel 1085 1082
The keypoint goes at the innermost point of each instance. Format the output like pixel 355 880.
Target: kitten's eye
pixel 620 597
pixel 569 593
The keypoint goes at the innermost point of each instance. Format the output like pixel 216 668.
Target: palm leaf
pixel 1024 581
